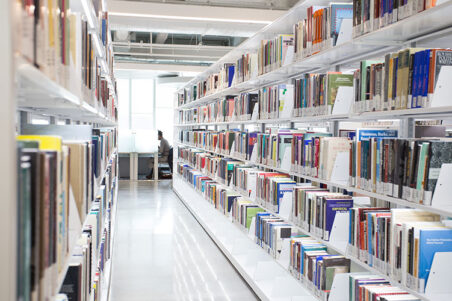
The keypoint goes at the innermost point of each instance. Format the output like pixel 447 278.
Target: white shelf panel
pixel 38 93
pixel 438 210
pixel 417 28
pixel 238 248
pixel 437 112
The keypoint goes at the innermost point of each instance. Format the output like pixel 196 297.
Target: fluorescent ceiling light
pixel 187 18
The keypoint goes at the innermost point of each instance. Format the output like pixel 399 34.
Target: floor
pixel 162 253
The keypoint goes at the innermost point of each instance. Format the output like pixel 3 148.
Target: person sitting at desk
pixel 164 150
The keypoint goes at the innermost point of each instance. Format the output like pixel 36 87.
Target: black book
pixel 72 285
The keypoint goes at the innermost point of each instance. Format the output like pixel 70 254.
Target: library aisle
pixel 162 253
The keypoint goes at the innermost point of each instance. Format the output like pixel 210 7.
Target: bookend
pixel 443 89
pixel 343 102
pixel 340 288
pixel 443 189
pixel 232 150
pixel 345 34
pixel 286 161
pixel 285 205
pixel 287 108
pixel 252 230
pixel 340 175
pixel 284 256
pixel 253 158
pixel 439 286
pixel 255 114
pixel 339 231
pixel 75 223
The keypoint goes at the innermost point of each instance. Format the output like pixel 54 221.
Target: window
pixel 140 115
pixel 123 103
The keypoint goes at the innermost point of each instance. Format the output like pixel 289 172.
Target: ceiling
pixel 186 32
pixel 261 4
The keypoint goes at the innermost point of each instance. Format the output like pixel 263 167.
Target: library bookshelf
pixel 428 28
pixel 30 91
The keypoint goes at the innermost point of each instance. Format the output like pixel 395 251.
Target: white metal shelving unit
pixel 27 89
pixel 430 28
pixel 8 220
pixel 419 28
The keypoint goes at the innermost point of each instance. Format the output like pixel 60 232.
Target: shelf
pixel 39 94
pixel 336 249
pixel 437 112
pixel 248 258
pixel 401 202
pixel 417 28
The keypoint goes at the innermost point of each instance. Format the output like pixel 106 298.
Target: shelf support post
pixel 407 128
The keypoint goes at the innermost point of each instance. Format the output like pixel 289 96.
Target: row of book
pixel 57 39
pixel 316 94
pixel 406 79
pixel 230 108
pixel 395 241
pixel 53 174
pixel 86 273
pixel 322 27
pixel 310 261
pixel 402 168
pixel 369 15
pixel 400 243
pixel 308 153
pixel 377 161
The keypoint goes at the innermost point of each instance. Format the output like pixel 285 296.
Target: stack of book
pixel 404 80
pixel 372 15
pixel 321 29
pixel 275 53
pixel 400 243
pixel 315 94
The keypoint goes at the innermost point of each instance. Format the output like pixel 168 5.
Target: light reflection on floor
pixel 162 253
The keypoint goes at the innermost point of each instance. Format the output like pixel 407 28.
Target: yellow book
pixel 51 143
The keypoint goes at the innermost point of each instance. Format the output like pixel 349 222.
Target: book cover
pixel 339 12
pixel 332 206
pixel 440 153
pixel 430 242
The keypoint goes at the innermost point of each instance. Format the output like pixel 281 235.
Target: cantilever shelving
pixel 393 114
pixel 337 247
pixel 39 94
pixel 401 202
pixel 419 28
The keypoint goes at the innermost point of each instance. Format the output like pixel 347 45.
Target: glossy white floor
pixel 162 253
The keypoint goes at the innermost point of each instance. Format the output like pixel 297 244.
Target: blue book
pixel 430 242
pixel 281 189
pixel 339 12
pixel 309 247
pixel 415 79
pixel 332 206
pixel 425 75
pixel 231 71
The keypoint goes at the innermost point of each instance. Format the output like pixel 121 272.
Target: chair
pixel 170 159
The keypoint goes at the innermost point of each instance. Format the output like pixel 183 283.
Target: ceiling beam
pixel 192 12
pixel 158 67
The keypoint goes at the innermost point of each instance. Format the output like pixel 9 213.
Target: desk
pixel 133 163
